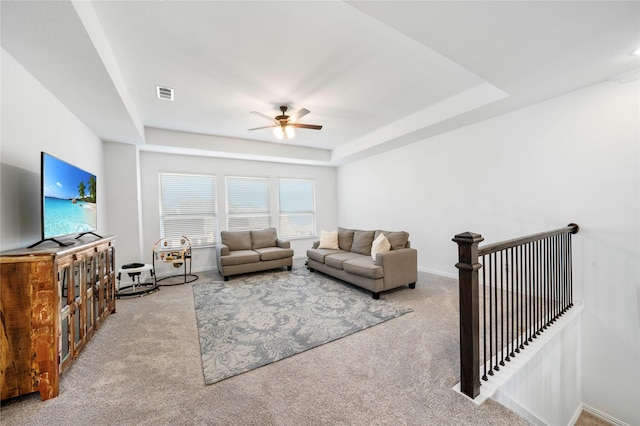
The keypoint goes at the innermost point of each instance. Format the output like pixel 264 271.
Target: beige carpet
pixel 143 368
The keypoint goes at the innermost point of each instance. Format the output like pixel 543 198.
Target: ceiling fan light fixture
pixel 284 132
pixel 288 130
pixel 283 125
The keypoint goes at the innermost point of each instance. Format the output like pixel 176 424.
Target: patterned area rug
pixel 254 320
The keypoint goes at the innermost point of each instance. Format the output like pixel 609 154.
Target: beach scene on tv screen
pixel 69 199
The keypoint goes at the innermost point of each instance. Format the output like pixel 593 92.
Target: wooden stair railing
pixel 526 284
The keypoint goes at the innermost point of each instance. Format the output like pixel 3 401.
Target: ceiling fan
pixel 284 124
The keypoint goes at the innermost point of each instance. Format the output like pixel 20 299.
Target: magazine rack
pixel 177 253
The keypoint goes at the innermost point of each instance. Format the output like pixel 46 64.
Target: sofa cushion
pixel 398 240
pixel 345 238
pixel 240 257
pixel 362 241
pixel 320 254
pixel 380 245
pixel 364 267
pixel 329 240
pixel 236 240
pixel 273 253
pixel 336 260
pixel 263 238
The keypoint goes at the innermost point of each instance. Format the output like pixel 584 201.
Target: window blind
pixel 297 208
pixel 248 203
pixel 188 207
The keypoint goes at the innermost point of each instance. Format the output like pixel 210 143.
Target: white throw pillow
pixel 380 245
pixel 329 240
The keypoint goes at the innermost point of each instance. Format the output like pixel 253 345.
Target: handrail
pixel 527 286
pixel 495 247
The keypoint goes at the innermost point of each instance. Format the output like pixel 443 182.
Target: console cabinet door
pixel 90 294
pixel 65 284
pixel 106 294
pixel 29 323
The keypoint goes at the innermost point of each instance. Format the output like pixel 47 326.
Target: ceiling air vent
pixel 164 93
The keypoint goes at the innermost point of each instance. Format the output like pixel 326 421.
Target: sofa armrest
pixel 221 250
pixel 400 266
pixel 283 243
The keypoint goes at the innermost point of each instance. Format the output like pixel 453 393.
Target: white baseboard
pixel 437 272
pixel 604 416
pixel 575 416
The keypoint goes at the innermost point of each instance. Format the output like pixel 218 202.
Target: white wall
pixel 574 158
pixel 204 259
pixel 33 120
pixel 124 212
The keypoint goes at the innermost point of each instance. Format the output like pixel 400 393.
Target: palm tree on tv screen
pixel 92 189
pixel 81 190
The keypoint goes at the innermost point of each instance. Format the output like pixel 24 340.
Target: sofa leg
pixel 311 269
pixel 226 278
pixel 376 296
pixel 412 285
pixel 289 268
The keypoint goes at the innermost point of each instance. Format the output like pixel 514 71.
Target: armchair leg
pixel 226 278
pixel 412 285
pixel 289 267
pixel 376 296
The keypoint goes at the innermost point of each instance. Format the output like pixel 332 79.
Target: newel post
pixel 468 267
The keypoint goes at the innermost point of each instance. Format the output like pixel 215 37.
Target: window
pixel 248 200
pixel 297 208
pixel 188 207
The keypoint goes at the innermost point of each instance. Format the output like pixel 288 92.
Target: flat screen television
pixel 68 200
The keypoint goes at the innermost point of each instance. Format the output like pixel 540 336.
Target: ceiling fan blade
pixel 259 114
pixel 299 114
pixel 306 126
pixel 264 127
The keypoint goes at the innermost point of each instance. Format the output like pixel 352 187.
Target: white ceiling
pixel 375 74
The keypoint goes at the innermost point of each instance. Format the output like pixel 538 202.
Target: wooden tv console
pixel 52 300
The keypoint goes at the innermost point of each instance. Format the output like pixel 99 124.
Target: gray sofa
pixel 395 265
pixel 240 252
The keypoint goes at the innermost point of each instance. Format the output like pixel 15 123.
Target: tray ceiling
pixel 376 75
